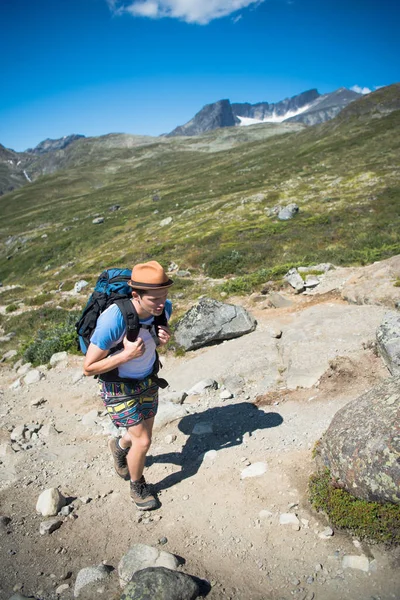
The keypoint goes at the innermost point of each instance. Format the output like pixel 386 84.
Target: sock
pixel 119 445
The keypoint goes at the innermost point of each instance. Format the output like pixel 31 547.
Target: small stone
pixel 85 499
pixel 305 523
pixel 353 561
pixel 288 519
pixel 23 369
pixel 47 527
pixel 15 385
pixel 170 439
pixel 50 502
pixel 58 357
pixel 202 429
pixel 226 395
pixel 62 588
pixel 34 376
pixel 162 541
pixel 186 497
pixel 326 533
pixel 98 220
pixel 265 514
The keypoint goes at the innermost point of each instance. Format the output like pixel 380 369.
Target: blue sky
pixel 146 66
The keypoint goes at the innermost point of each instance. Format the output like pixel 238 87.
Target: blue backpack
pixel 111 288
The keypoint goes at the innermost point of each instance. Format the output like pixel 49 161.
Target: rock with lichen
pixel 361 447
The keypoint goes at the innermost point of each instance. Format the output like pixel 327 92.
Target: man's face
pixel 154 301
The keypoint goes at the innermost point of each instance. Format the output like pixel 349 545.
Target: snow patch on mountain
pixel 274 118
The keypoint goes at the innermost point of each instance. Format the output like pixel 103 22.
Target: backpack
pixel 112 288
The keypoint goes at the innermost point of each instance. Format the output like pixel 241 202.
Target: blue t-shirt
pixel 110 330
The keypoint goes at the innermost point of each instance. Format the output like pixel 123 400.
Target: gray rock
pixel 166 221
pixel 277 301
pixel 9 354
pixel 355 561
pixel 50 502
pixel 98 220
pixel 288 212
pixel 326 534
pixel 58 357
pixel 91 419
pixel 79 285
pixel 362 447
pixel 88 577
pixel 47 527
pixel 174 397
pixel 295 280
pixel 212 321
pixel 311 281
pixel 23 369
pixel 288 519
pixel 19 596
pixel 322 267
pixel 204 428
pixel 168 412
pixel 114 207
pixel 201 386
pixel 33 376
pixel 159 583
pixel 388 338
pixel 17 433
pixel 141 556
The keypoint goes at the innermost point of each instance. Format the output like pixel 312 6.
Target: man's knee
pixel 141 441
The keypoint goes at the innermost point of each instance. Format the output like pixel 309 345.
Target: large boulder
pixel 388 339
pixel 361 447
pixel 142 556
pixel 159 583
pixel 212 321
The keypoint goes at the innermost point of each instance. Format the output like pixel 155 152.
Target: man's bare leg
pixel 140 443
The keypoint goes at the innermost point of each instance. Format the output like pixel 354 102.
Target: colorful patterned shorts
pixel 128 404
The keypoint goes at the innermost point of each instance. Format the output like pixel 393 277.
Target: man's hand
pixel 164 333
pixel 133 349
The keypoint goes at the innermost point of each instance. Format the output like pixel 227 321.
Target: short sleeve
pixel 110 329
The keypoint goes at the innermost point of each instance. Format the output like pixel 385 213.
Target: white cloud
pixel 361 90
pixel 190 11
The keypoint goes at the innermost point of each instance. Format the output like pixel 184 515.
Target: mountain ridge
pixel 309 107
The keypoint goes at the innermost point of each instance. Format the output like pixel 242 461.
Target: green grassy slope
pixel 344 175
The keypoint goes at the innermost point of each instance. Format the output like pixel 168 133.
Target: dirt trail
pixel 225 528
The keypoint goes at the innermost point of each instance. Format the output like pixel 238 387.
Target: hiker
pixel 128 377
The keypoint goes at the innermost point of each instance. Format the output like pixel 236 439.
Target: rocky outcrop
pixel 388 339
pixel 211 116
pixel 361 447
pixel 374 284
pixel 49 145
pixel 212 321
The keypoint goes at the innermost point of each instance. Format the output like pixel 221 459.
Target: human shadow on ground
pixel 214 429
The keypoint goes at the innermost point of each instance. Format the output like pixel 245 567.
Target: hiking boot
pixel 119 456
pixel 142 496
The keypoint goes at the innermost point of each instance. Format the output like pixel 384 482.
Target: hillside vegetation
pixel 344 175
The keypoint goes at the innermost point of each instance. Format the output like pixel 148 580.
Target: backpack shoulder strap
pixel 130 316
pixel 161 319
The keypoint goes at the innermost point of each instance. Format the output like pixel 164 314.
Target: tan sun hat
pixel 149 276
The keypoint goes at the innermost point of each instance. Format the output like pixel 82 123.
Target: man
pixel 131 398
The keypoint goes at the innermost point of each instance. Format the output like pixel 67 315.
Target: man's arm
pixel 97 360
